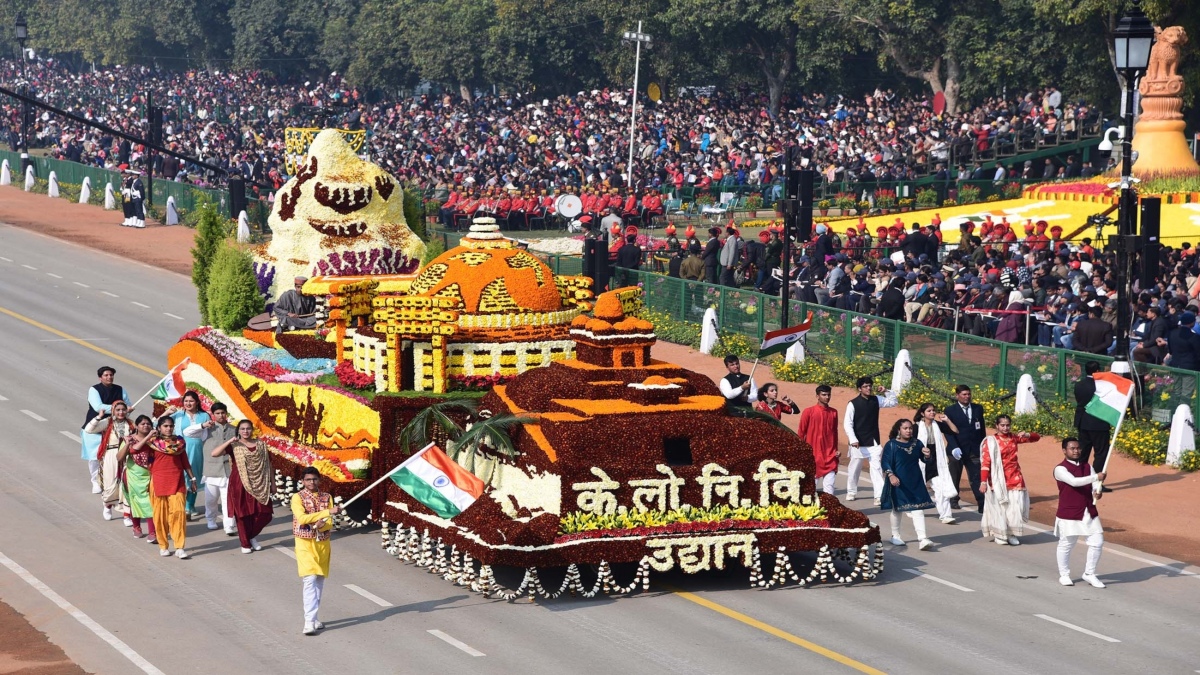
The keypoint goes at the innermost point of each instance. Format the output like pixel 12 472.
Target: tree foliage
pixel 211 230
pixel 968 49
pixel 233 296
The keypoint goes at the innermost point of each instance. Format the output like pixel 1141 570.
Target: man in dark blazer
pixel 972 429
pixel 1094 433
pixel 1093 334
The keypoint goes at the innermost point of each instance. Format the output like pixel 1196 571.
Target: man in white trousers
pixel 861 424
pixel 1079 486
pixel 216 471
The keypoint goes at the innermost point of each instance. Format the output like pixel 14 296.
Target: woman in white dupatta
pixel 929 422
pixel 1005 498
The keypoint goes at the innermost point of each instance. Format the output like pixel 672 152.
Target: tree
pixel 449 41
pixel 233 296
pixel 211 231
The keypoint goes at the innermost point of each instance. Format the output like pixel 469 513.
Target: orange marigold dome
pixel 608 307
pixel 656 380
pixel 498 280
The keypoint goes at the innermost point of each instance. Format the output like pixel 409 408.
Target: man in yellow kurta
pixel 312 521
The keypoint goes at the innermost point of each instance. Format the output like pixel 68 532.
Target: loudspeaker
pixel 804 222
pixel 600 266
pixel 589 258
pixel 1148 241
pixel 237 196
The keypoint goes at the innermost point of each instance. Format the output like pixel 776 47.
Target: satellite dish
pixel 569 206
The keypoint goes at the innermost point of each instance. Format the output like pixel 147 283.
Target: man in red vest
pixel 1079 486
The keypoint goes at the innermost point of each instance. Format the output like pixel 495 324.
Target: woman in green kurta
pixel 137 478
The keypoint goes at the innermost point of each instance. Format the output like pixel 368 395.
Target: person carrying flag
pixel 1077 517
pixel 312 520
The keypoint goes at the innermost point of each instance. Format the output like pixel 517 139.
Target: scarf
pixel 932 437
pixel 169 446
pixel 254 468
pixel 998 480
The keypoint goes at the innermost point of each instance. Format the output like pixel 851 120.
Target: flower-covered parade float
pixel 586 451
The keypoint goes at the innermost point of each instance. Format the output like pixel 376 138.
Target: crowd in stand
pixel 236 120
pixel 1014 282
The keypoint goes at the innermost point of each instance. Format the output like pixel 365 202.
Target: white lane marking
pixel 87 621
pixel 369 595
pixel 3 398
pixel 135 302
pixel 80 283
pixel 173 316
pixel 34 415
pixel 52 274
pixel 288 552
pixel 73 436
pixel 111 295
pixel 29 267
pixel 930 577
pixel 456 643
pixel 1181 572
pixel 5 259
pixel 1078 628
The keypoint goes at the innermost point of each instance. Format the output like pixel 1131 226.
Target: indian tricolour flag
pixel 438 482
pixel 778 341
pixel 1113 393
pixel 171 388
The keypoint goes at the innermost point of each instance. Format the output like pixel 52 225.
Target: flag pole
pixel 160 381
pixel 387 475
pixel 752 369
pixel 1113 441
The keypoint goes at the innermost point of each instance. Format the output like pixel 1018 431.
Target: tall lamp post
pixel 1132 41
pixel 637 38
pixel 22 34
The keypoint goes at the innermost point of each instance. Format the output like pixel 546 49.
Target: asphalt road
pixel 114 606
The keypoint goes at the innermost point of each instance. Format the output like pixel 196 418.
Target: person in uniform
pixel 312 520
pixel 294 310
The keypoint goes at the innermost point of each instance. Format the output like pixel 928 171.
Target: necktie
pixel 967 412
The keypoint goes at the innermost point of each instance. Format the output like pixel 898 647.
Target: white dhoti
pixel 1008 519
pixel 216 501
pixel 874 456
pixel 1071 531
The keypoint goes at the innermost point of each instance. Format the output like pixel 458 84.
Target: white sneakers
pixel 107 513
pixel 949 520
pixel 255 545
pixel 877 502
pixel 1002 541
pixel 164 552
pixel 128 521
pixel 850 497
pixel 214 526
pixel 318 625
pixel 182 554
pixel 247 550
pixel 310 629
pixel 95 487
pixel 926 544
pixel 897 541
pixel 1090 578
pixel 1013 541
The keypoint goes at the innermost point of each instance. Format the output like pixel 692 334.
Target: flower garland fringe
pixel 422 550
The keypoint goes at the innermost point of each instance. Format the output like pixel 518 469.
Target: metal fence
pixel 939 353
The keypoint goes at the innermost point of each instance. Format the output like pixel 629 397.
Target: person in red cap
pixel 1055 237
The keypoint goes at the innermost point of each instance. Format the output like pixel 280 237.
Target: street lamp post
pixel 638 38
pixel 1132 41
pixel 22 35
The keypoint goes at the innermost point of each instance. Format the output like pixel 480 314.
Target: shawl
pixel 254 469
pixel 998 480
pixel 120 429
pixel 941 482
pixel 169 446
